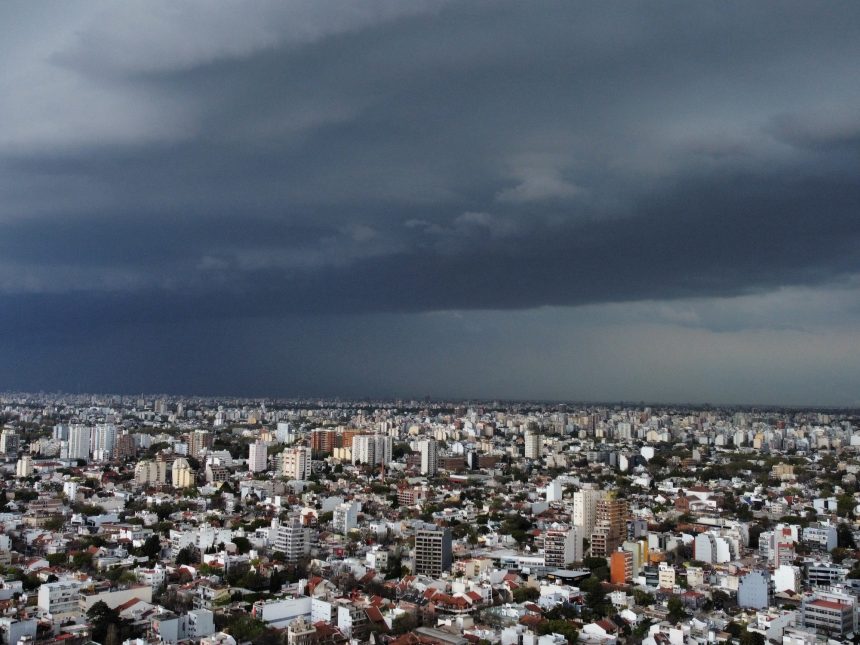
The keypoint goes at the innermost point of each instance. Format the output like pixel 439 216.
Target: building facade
pixel 258 455
pixel 296 463
pixel 432 551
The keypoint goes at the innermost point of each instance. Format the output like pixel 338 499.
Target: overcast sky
pixel 575 200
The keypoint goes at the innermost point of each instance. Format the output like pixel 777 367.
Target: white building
pixel 754 590
pixel 61 432
pixel 345 517
pixel 428 457
pixel 296 463
pixel 181 474
pixel 284 433
pixel 103 441
pixel 171 628
pixel 70 490
pixel 585 508
pixel 24 467
pixel 695 577
pixel 821 536
pixel 201 538
pixel 832 613
pixel 666 576
pixel 372 449
pixel 825 574
pixel 150 473
pixel 79 442
pixel 280 613
pixel 787 578
pixel 154 577
pixel 713 549
pixel 258 454
pixel 13 630
pixel 115 597
pixel 9 442
pixel 60 598
pixel 293 540
pixel 533 445
pixel 554 491
pixel 562 545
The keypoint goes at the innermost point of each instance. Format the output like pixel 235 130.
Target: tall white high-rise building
pixel 585 508
pixel 9 442
pixel 371 449
pixel 24 467
pixel 181 474
pixel 428 457
pixel 554 492
pixel 149 472
pixel 79 442
pixel 293 540
pixel 534 445
pixel 345 517
pixel 61 432
pixel 363 449
pixel 284 432
pixel 296 463
pixel 258 454
pixel 103 441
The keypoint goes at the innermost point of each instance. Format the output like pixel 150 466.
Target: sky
pixel 552 200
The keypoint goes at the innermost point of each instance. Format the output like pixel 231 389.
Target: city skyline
pixel 461 200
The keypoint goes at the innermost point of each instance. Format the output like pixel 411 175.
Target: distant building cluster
pixel 160 520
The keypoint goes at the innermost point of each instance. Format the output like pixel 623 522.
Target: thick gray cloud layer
pixel 196 166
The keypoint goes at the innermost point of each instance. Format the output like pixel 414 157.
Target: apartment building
pixel 831 614
pixel 620 567
pixel 258 455
pixel 172 628
pixel 562 545
pixel 432 551
pixel 293 540
pixel 296 463
pixel 610 528
pixel 60 598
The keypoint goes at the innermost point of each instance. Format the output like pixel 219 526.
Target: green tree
pixel 734 629
pixel 752 638
pixel 643 598
pixel 243 544
pixel 100 617
pixel 559 626
pixel 845 505
pixel 82 560
pixel 845 537
pixel 165 510
pixel 151 547
pixel 56 559
pixel 245 628
pixel 641 630
pixel 598 566
pixel 676 609
pixel 55 523
pixel 526 594
pixel 595 596
pixel 188 555
pixel 404 623
pixel 276 581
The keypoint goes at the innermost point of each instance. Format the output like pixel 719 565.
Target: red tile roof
pixel 827 604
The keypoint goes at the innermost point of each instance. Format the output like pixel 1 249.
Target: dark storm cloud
pixel 707 236
pixel 168 165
